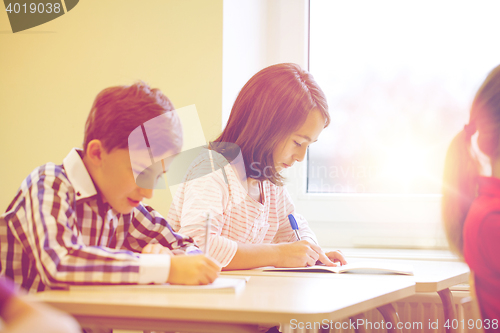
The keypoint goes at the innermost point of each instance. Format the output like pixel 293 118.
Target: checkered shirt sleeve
pixel 48 239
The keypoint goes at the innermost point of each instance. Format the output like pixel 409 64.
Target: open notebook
pixel 220 285
pixel 368 267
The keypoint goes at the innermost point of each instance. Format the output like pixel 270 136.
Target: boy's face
pixel 116 181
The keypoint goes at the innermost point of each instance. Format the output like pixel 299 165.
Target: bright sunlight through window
pixel 399 77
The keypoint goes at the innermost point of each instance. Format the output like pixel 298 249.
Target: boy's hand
pixel 193 270
pixel 156 249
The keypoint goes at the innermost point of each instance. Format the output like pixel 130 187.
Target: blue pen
pixel 294 225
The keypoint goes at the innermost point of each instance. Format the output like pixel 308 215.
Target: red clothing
pixel 482 246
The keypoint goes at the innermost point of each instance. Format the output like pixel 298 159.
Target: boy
pixel 83 221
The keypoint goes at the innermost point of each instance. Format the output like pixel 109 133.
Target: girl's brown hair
pixel 271 105
pixel 461 166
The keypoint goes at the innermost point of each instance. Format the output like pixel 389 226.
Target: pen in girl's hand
pixel 294 225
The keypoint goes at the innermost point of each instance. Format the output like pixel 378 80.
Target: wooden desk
pixel 430 276
pixel 265 299
pixel 437 276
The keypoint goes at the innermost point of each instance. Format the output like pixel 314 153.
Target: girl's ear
pixel 95 152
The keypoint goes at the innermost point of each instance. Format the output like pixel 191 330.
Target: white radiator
pixel 420 313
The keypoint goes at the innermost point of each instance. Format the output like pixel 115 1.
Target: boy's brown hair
pixel 117 111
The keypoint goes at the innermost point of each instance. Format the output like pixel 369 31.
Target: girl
pixel 471 203
pixel 278 113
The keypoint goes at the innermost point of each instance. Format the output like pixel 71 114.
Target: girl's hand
pixel 301 254
pixel 193 270
pixel 337 256
pixel 157 249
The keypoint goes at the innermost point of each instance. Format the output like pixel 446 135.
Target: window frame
pixel 368 220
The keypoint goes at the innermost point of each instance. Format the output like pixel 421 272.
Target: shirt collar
pixel 78 175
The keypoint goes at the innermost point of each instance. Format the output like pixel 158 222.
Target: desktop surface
pixel 264 300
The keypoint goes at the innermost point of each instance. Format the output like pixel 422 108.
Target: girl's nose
pixel 299 156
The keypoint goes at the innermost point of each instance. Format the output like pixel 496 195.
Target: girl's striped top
pixel 212 185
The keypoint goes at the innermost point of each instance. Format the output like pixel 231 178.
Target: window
pixel 399 77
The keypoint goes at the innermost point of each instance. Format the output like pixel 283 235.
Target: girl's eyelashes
pixel 297 144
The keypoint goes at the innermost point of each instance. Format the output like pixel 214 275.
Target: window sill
pixel 405 254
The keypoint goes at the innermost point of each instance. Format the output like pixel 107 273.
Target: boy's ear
pixel 95 151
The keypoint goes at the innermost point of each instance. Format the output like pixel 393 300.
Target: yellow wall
pixel 50 74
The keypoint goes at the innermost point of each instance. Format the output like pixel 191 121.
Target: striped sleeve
pixel 193 199
pixel 48 233
pixel 285 233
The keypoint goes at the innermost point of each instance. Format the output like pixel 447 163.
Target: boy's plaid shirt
pixel 57 230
